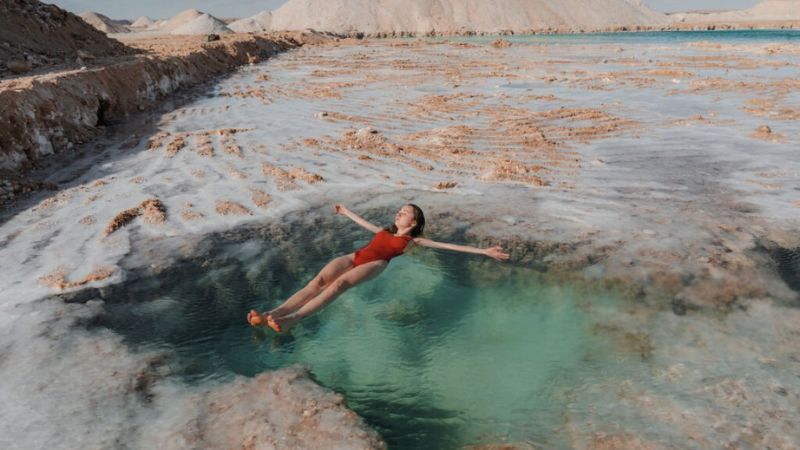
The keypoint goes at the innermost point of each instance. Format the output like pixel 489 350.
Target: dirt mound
pixel 35 34
pixel 103 23
pixel 202 24
pixel 143 22
pixel 177 20
pixel 764 11
pixel 378 17
pixel 256 24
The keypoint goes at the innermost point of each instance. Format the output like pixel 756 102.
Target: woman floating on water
pixel 353 269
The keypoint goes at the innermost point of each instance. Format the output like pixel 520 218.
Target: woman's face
pixel 405 217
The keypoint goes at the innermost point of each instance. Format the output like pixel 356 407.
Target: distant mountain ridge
pixel 453 16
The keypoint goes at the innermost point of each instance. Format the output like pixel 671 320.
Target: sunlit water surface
pixel 440 351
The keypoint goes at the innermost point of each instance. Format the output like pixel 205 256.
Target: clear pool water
pixel 442 350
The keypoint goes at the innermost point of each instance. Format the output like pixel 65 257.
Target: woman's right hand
pixel 340 209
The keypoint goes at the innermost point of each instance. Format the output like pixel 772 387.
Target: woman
pixel 353 269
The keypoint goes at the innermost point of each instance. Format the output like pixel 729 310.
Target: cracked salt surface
pixel 653 183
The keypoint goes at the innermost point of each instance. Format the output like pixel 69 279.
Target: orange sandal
pixel 273 324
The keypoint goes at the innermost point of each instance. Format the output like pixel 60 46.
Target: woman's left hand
pixel 496 252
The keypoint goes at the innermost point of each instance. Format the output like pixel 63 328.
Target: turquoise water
pixel 648 37
pixel 442 350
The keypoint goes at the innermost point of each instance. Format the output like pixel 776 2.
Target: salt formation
pixel 190 21
pixel 454 16
pixel 103 23
pixel 259 23
pixel 766 10
pixel 143 22
pixel 203 24
pixel 176 21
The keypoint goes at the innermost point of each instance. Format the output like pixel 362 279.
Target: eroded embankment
pixel 47 114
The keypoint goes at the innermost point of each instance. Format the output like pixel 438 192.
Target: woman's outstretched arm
pixel 341 209
pixel 495 252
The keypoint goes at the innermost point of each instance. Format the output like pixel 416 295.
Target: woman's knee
pixel 317 283
pixel 342 284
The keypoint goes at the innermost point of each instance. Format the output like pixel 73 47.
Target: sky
pixel 159 9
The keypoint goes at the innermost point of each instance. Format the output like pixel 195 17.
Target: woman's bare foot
pixel 254 318
pixel 282 324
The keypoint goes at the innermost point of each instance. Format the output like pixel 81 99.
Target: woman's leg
pixel 352 277
pixel 325 277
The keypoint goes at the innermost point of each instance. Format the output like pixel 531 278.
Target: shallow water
pixel 650 37
pixel 440 351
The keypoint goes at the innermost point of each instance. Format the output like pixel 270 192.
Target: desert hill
pixel 202 24
pixel 36 34
pixel 103 23
pixel 764 11
pixel 256 24
pixel 450 16
pixel 143 22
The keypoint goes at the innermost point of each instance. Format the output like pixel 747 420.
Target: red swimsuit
pixel 384 246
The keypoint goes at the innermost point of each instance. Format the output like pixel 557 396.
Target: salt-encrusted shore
pixel 55 111
pixel 688 208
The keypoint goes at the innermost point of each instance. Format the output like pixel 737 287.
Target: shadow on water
pixel 417 352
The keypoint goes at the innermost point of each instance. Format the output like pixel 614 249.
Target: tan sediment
pixel 524 145
pixel 308 177
pixel 153 210
pixel 176 145
pixel 58 278
pixel 770 107
pixel 283 180
pixel 236 174
pixel 286 179
pixel 501 43
pixel 673 73
pixel 508 170
pixel 87 220
pixel 620 441
pixel 226 208
pixel 121 219
pixel 157 140
pixel 446 185
pixel 204 145
pixel 450 103
pixel 189 215
pixel 233 149
pixel 59 199
pixel 764 132
pixel 699 119
pixel 260 198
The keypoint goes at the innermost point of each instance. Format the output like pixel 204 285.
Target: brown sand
pixel 260 198
pixel 226 208
pixel 57 279
pixel 765 133
pixel 153 210
pixel 188 214
pixel 39 36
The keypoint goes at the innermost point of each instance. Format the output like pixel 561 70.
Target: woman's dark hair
pixel 419 217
